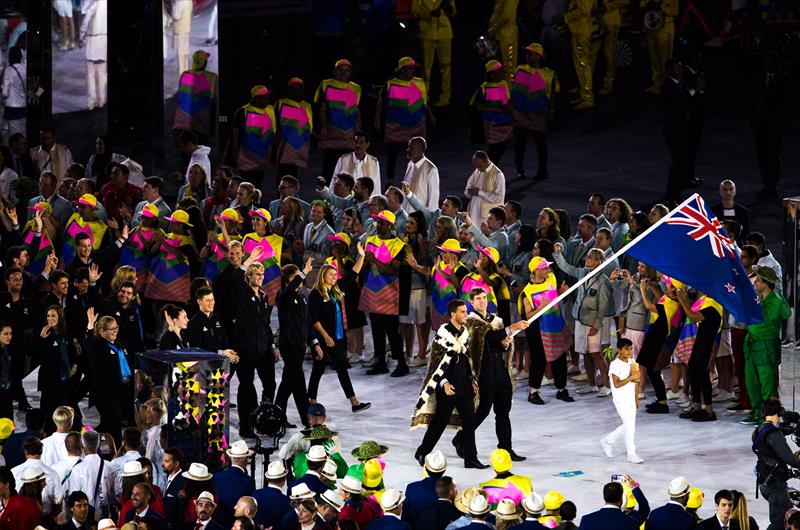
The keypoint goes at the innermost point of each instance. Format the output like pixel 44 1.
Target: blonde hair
pixel 255 194
pixel 101 325
pixel 599 254
pixel 63 416
pixel 739 512
pixel 252 269
pixel 323 289
pixel 156 405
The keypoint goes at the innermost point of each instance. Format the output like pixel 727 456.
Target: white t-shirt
pixel 626 394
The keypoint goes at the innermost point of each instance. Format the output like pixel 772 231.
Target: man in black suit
pixel 695 81
pixel 675 127
pixel 723 502
pixel 206 329
pixel 204 506
pixel 769 119
pixel 440 514
pixel 78 505
pixel 173 483
pixel 20 161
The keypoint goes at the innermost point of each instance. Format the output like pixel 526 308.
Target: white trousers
pixel 97 81
pixel 182 51
pixel 628 415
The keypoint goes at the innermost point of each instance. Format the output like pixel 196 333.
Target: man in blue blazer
pixel 316 458
pixel 172 484
pixel 532 506
pixel 422 493
pixel 610 516
pixel 273 504
pixel 673 515
pixel 392 504
pixel 234 482
pixel 441 513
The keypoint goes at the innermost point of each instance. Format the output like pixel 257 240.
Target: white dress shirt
pixel 84 478
pixel 53 448
pixel 369 167
pixel 119 463
pixel 57 160
pixel 53 493
pixel 423 176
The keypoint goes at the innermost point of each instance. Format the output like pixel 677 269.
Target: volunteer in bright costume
pixel 339 115
pixel 274 252
pixel 38 237
pixel 609 42
pixel 170 269
pixel 700 331
pixel 139 247
pixel 533 105
pixel 214 254
pixel 552 504
pixel 84 220
pixel 506 484
pixel 487 278
pixel 294 129
pixel 503 27
pixel 491 100
pixel 401 111
pixel 253 135
pixel 437 40
pixel 659 43
pixel 578 19
pixel 197 98
pixel 547 337
pixel 380 295
pixel 446 277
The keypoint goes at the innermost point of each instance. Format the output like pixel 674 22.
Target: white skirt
pixel 417 308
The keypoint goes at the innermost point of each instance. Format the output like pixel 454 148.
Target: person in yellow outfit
pixel 437 41
pixel 552 503
pixel 506 484
pixel 611 16
pixel 503 27
pixel 578 19
pixel 660 40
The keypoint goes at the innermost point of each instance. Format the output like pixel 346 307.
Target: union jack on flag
pixel 689 244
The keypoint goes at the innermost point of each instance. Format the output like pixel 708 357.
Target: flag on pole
pixel 689 244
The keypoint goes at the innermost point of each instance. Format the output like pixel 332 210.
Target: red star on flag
pixel 730 288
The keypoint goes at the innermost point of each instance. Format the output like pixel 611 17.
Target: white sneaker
pixel 522 376
pixel 673 395
pixel 641 395
pixel 354 358
pixel 369 363
pixel 607 449
pixel 633 458
pixel 604 392
pixel 416 362
pixel 723 396
pixel 586 390
pixel 580 377
pixel 683 400
pixel 546 381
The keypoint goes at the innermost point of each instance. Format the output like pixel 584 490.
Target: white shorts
pixel 63 7
pixel 586 344
pixel 724 349
pixel 417 308
pixel 636 337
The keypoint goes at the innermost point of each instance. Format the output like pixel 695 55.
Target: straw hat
pixel 506 510
pixel 239 450
pixel 106 524
pixel 179 216
pixel 766 273
pixel 451 245
pixel 206 496
pixel 320 432
pixel 465 496
pixel 435 462
pixel 329 470
pixel 316 453
pixel 33 474
pixel 678 487
pixel 301 492
pixel 333 499
pixel 351 484
pixel 385 215
pixel 197 472
pixel 132 469
pixel 491 253
pixel 368 450
pixel 478 505
pixel 533 503
pixel 391 499
pixel 275 470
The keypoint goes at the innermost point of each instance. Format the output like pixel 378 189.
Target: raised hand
pixel 309 266
pixel 94 273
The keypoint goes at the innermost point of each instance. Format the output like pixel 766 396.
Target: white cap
pixel 239 449
pixel 206 496
pixel 275 470
pixel 533 503
pixel 301 492
pixel 391 499
pixel 435 462
pixel 679 487
pixel 316 453
pixel 132 468
pixel 478 505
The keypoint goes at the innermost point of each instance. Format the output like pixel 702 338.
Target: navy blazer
pixel 475 526
pixel 388 522
pixel 530 524
pixel 173 505
pixel 313 482
pixel 231 485
pixel 437 516
pixel 212 525
pixel 419 495
pixel 12 449
pixel 671 516
pixel 608 518
pixel 272 506
pixel 151 514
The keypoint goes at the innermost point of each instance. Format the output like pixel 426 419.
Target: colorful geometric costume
pixel 295 125
pixel 169 270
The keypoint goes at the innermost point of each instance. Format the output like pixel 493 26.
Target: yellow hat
pixel 493 65
pixel 535 47
pixel 87 199
pixel 553 500
pixel 229 214
pixel 150 210
pixel 406 61
pixel 296 81
pixel 451 245
pixel 373 473
pixel 199 58
pixel 259 90
pixel 261 212
pixel 491 253
pixel 343 62
pixel 6 428
pixel 501 460
pixel 179 216
pixel 673 282
pixel 538 262
pixel 631 500
pixel 385 215
pixel 42 206
pixel 341 236
pixel 695 498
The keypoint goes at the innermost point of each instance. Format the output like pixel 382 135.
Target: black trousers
pixel 778 499
pixel 17 375
pixel 337 354
pixel 520 142
pixel 6 403
pixel 444 408
pixel 383 326
pixel 695 133
pixel 677 146
pixel 113 409
pixel 329 159
pixel 293 382
pixel 494 394
pixel 495 152
pixel 247 400
pixel 392 152
pixel 648 357
pixel 539 361
pixel 768 150
pixel 699 378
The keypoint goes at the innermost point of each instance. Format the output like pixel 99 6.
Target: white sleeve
pixel 336 171
pixel 433 189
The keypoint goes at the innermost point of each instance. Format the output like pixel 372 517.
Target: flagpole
pixel 594 272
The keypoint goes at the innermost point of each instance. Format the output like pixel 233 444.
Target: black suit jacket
pixel 252 317
pixel 23 165
pixel 174 505
pixel 293 312
pixel 676 106
pixel 712 523
pixel 459 373
pixel 212 525
pixel 436 516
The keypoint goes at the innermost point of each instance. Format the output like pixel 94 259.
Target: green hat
pixel 766 273
pixel 369 449
pixel 320 432
pixel 355 471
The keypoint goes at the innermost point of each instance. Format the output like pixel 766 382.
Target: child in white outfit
pixel 624 374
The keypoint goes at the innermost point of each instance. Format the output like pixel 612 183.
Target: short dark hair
pixel 81 274
pixel 672 61
pixel 122 169
pixel 32 446
pixel 604 230
pixel 455 199
pixel 4 324
pixel 624 343
pixel 11 270
pixel 589 218
pixel 127 285
pixel 155 182
pixel 751 251
pixel 34 420
pixel 612 492
pixel 757 238
pixel 516 207
pixel 7 477
pixel 245 523
pixel 481 154
pixel 499 214
pixel 366 182
pixel 76 497
pixel 187 137
pixel 287 270
pixel 57 275
pixel 723 494
pixel 568 511
pixel 132 437
pixel 453 306
pixel 176 454
pixel 382 200
pixel 443 486
pixel 476 291
pixel 361 134
pixel 771 407
pixel 347 179
pixel 398 195
pixel 794 519
pixel 599 196
pixel 73 442
pixel 81 236
pixel 732 228
pixel 15 252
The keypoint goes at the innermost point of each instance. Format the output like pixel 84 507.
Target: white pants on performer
pixel 627 412
pixel 97 81
pixel 182 51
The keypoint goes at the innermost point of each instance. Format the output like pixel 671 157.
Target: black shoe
pixel 419 457
pixel 458 445
pixel 658 408
pixel 378 369
pixel 24 407
pixel 232 405
pixel 474 463
pixel 515 457
pixel 689 414
pixel 736 407
pixel 290 425
pixel 400 371
pixel 563 395
pixel 651 405
pixel 364 405
pixel 704 415
pixel 535 398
